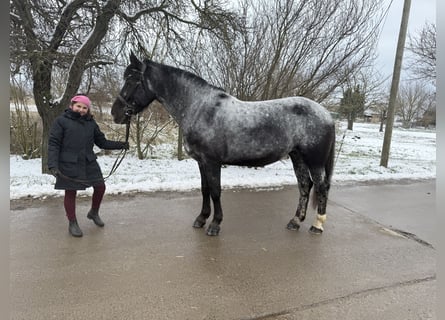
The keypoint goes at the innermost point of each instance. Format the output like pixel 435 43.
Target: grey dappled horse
pixel 220 129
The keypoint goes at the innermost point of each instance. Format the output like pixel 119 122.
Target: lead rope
pixel 118 161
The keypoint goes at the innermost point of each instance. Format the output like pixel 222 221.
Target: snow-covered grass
pixel 413 156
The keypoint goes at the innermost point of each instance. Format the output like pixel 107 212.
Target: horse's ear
pixel 133 59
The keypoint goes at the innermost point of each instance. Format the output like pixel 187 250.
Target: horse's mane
pixel 183 73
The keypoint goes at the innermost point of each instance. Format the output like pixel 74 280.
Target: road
pixel 375 260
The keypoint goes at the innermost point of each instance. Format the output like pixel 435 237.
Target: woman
pixel 72 161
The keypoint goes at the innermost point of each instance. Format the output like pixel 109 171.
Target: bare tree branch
pixel 70 41
pixel 423 48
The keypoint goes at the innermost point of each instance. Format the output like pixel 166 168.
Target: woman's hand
pixel 125 145
pixel 54 171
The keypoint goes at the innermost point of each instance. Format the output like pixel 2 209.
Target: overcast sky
pixel 420 12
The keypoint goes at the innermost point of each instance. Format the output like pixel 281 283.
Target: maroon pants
pixel 69 201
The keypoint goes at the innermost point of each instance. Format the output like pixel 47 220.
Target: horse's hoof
pixel 198 224
pixel 315 230
pixel 213 230
pixel 293 225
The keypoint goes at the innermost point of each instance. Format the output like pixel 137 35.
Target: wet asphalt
pixel 375 260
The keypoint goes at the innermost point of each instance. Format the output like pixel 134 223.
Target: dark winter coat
pixel 70 149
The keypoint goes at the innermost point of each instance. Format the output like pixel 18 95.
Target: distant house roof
pixel 369 113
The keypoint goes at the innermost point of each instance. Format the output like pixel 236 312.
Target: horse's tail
pixel 329 170
pixel 329 166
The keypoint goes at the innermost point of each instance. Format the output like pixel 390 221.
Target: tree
pixel 372 88
pixel 352 104
pixel 423 48
pixel 77 37
pixel 429 116
pixel 287 47
pixel 413 101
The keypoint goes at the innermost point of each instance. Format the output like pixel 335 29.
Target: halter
pixel 129 109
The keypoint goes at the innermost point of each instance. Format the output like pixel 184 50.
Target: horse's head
pixel 135 95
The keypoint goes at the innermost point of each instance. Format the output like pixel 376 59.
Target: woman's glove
pixel 125 145
pixel 54 171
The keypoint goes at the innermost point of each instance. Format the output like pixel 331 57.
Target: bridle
pixel 129 109
pixel 129 112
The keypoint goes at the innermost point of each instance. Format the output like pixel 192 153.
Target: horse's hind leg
pixel 321 186
pixel 200 220
pixel 304 186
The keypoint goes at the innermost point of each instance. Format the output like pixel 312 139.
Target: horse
pixel 219 129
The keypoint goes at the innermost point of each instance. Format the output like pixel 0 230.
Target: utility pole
pixel 395 84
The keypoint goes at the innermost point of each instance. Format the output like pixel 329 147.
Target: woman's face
pixel 80 108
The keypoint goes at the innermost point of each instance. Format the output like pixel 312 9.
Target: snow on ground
pixel 413 156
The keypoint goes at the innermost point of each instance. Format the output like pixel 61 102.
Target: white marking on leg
pixel 319 220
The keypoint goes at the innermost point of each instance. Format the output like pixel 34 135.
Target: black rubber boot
pixel 93 214
pixel 74 229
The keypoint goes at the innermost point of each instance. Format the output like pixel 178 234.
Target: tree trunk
pixel 180 152
pixel 139 137
pixel 382 120
pixel 42 96
pixel 48 118
pixel 350 122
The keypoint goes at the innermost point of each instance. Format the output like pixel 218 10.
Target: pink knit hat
pixel 80 98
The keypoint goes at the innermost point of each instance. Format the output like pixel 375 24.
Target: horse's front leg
pixel 215 193
pixel 200 220
pixel 212 172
